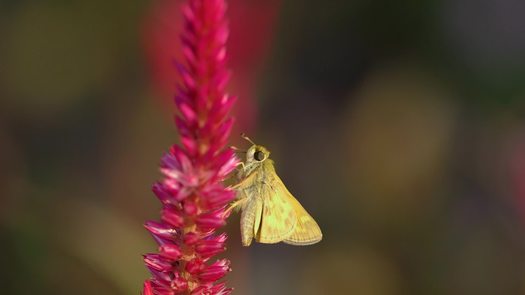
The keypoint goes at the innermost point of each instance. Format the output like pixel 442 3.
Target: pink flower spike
pixel 191 192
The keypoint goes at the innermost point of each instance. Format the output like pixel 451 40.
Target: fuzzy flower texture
pixel 192 194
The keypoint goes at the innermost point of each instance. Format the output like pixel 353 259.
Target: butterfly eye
pixel 259 156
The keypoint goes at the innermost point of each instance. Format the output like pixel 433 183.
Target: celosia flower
pixel 192 194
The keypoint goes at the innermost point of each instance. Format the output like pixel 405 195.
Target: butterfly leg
pixel 234 205
pixel 241 168
pixel 240 183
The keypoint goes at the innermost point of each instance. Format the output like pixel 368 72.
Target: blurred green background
pixel 400 125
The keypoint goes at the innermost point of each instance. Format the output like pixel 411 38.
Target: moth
pixel 269 212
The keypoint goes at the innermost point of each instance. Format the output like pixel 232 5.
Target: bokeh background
pixel 400 125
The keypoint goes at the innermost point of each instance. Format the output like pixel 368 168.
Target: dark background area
pixel 399 125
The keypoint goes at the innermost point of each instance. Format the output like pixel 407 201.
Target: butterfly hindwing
pixel 306 231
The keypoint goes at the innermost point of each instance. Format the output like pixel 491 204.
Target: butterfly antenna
pixel 237 150
pixel 247 138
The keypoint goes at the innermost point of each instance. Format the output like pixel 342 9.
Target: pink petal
pixel 194 266
pixel 210 220
pixel 172 217
pixel 170 251
pixel 216 199
pixel 160 229
pixel 191 238
pixel 148 289
pixel 161 193
pixel 215 271
pixel 157 262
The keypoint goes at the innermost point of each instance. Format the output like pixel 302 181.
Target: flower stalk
pixel 192 195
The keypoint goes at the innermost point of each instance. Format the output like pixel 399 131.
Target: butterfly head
pixel 257 154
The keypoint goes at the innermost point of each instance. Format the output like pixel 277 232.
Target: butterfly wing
pixel 306 231
pixel 266 214
pixel 278 216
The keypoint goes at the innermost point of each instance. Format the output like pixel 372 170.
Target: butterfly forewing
pixel 278 217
